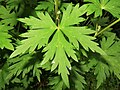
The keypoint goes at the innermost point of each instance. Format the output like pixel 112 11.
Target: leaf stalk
pixel 56 12
pixel 106 28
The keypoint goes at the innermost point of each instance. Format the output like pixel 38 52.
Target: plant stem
pixel 106 28
pixel 56 11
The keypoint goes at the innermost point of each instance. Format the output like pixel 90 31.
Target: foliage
pixel 59 44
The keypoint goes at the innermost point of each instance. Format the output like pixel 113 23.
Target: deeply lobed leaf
pixel 58 42
pixel 112 6
pixel 5 37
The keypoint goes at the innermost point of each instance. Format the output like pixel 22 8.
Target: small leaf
pixel 7 17
pixel 102 71
pixel 5 37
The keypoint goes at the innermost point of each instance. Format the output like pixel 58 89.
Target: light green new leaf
pixel 5 37
pixel 112 6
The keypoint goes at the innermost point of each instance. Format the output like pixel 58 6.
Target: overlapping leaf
pixel 7 17
pixel 112 48
pixel 102 71
pixel 3 74
pixel 106 64
pixel 78 79
pixel 43 5
pixel 56 83
pixel 100 67
pixel 5 37
pixel 23 65
pixel 112 6
pixel 58 49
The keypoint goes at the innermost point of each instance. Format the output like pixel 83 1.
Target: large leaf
pixel 112 6
pixel 60 41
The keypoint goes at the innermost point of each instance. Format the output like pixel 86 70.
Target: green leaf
pixel 3 74
pixel 78 79
pixel 44 28
pixel 43 5
pixel 23 65
pixel 5 37
pixel 112 48
pixel 14 70
pixel 102 71
pixel 100 66
pixel 17 5
pixel 7 17
pixel 58 42
pixel 78 34
pixel 37 71
pixel 58 46
pixel 56 83
pixel 97 6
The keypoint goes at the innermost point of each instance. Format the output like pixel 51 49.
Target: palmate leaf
pixel 5 37
pixel 58 49
pixel 106 64
pixel 112 6
pixel 112 48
